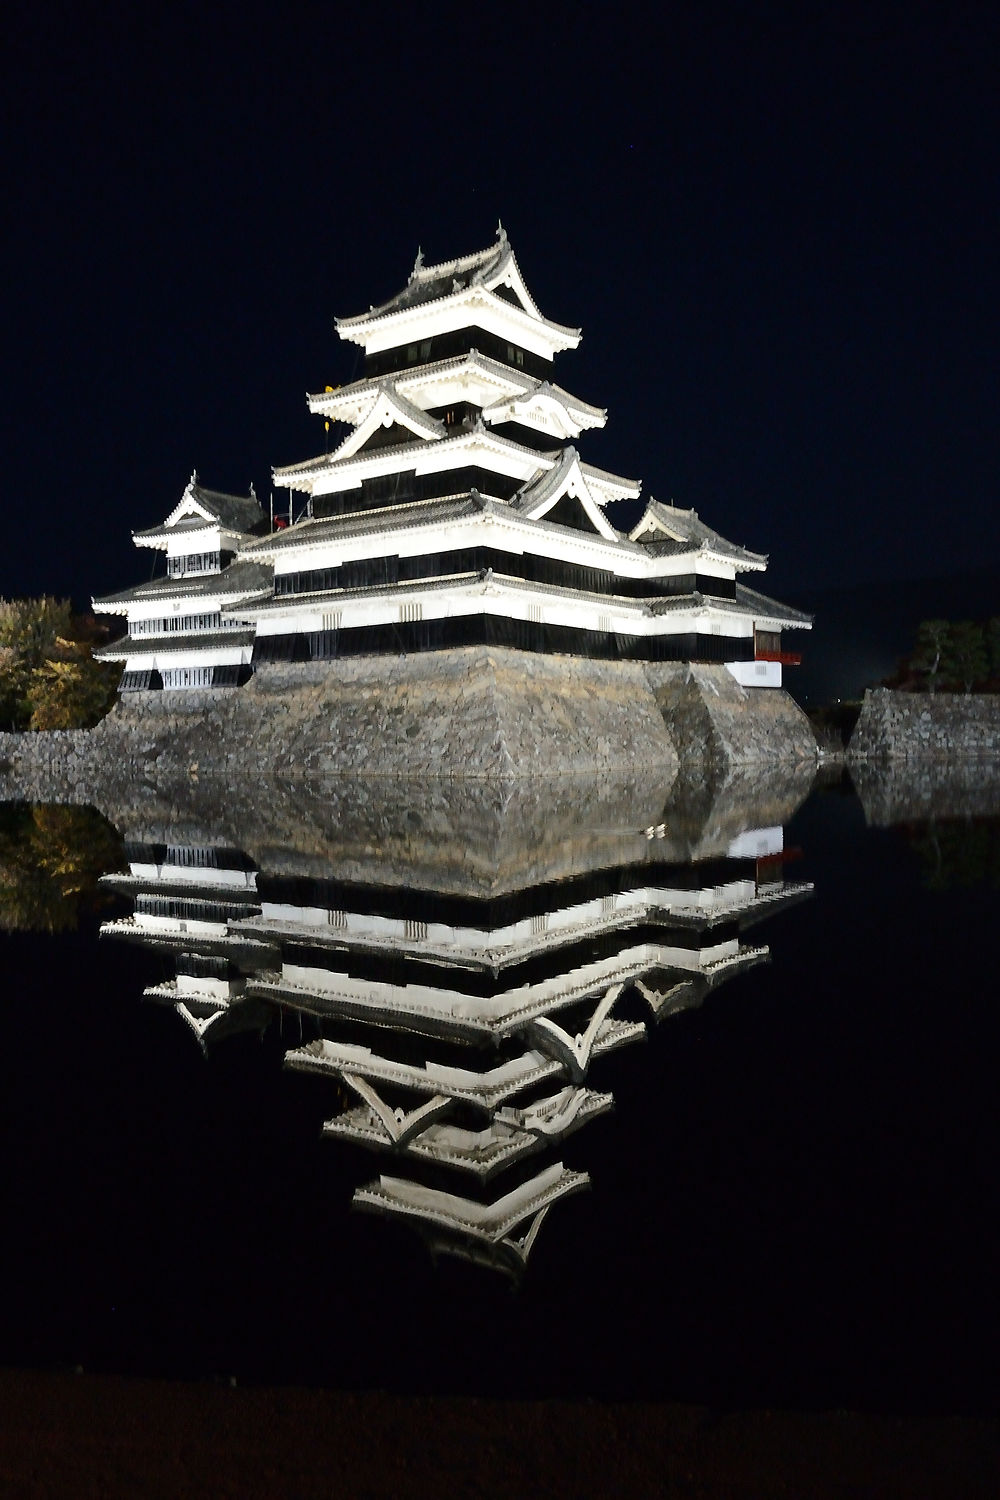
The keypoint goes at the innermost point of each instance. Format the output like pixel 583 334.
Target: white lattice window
pixel 187 677
pixel 191 857
pixel 415 931
pixel 535 613
pixel 413 611
pixel 539 924
pixel 332 619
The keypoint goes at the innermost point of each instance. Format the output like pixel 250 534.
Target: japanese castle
pixel 457 511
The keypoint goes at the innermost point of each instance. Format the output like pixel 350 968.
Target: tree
pixel 48 676
pixel 932 640
pixel 50 862
pixel 70 690
pixel 966 659
pixel 28 631
pixel 993 644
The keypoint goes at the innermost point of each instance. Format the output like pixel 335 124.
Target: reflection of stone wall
pixel 467 837
pixel 913 791
pixel 462 836
pixel 907 726
pixel 55 765
pixel 704 815
pixel 476 712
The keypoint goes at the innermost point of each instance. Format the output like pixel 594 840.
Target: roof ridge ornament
pixel 418 264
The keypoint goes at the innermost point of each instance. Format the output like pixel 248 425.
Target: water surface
pixel 777 1177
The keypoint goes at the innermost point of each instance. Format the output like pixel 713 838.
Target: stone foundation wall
pixel 713 717
pixel 472 712
pixel 476 712
pixel 913 726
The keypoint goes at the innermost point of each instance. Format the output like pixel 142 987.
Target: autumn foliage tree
pixel 70 690
pixel 51 859
pixel 48 676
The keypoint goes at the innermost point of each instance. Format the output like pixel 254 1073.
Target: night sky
pixel 777 228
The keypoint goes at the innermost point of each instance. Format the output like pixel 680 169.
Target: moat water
pixel 792 1188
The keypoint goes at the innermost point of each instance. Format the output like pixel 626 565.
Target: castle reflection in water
pixel 460 958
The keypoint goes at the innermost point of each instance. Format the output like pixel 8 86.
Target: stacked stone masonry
pixel 477 712
pixel 914 726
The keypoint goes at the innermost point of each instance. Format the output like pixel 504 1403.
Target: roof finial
pixel 194 477
pixel 501 232
pixel 253 492
pixel 418 263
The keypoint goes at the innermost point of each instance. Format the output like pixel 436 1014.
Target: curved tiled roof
pixel 746 602
pixel 454 362
pixel 240 578
pixel 237 512
pixel 427 284
pixel 385 518
pixel 417 447
pixel 762 604
pixel 675 530
pixel 180 640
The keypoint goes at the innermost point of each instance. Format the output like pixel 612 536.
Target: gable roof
pixel 387 407
pixel 206 507
pixel 547 408
pixel 493 267
pixel 476 279
pixel 666 529
pixel 564 478
pixel 349 403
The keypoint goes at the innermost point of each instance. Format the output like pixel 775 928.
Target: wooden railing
pixel 786 658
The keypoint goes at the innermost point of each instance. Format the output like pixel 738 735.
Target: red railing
pixel 781 856
pixel 786 658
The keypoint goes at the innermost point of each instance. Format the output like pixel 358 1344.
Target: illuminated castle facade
pixel 458 510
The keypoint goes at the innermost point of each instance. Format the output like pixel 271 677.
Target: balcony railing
pixel 786 658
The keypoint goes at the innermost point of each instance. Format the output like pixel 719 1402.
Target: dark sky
pixel 776 226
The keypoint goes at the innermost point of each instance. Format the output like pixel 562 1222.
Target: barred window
pixel 191 856
pixel 187 677
pixel 185 624
pixel 193 562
